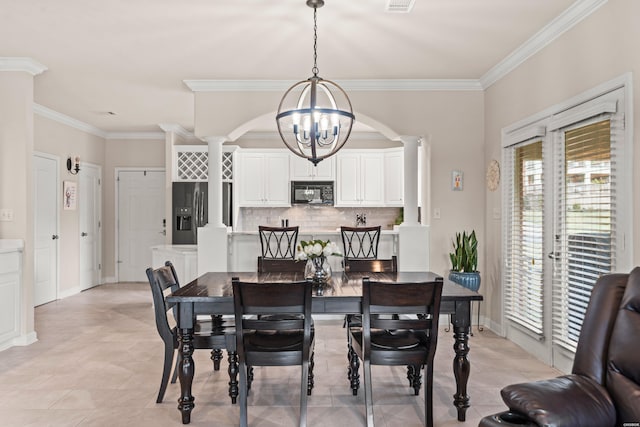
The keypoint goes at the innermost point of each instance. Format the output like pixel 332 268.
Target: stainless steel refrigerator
pixel 191 210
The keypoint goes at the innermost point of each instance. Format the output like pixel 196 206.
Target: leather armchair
pixel 603 388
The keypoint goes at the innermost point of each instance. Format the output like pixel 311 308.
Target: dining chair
pixel 286 339
pixel 360 242
pixel 364 266
pixel 214 334
pixel 278 242
pixel 407 340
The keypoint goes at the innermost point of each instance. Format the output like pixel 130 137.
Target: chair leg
pixel 249 377
pixel 355 377
pixel 216 357
pixel 428 396
pixel 310 382
pixel 242 368
pixel 174 377
pixel 166 371
pixel 368 392
pixel 410 374
pixel 304 391
pixel 416 381
pixel 233 376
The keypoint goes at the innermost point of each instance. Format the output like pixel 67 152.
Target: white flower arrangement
pixel 316 248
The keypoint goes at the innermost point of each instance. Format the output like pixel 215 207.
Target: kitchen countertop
pixel 184 249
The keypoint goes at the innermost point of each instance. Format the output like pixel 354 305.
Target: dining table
pixel 212 294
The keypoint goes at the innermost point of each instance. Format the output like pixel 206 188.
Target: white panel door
pixel 141 196
pixel 89 196
pixel 45 178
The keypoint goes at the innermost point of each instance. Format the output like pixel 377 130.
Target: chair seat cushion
pixel 391 339
pixel 274 340
pixel 569 400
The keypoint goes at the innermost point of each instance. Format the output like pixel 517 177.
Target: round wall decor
pixel 493 175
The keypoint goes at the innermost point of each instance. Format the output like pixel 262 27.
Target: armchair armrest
pixel 570 400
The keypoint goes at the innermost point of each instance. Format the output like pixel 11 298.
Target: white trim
pixel 582 112
pixel 550 32
pixel 349 85
pixel 66 120
pixel 273 136
pixel 25 64
pixel 70 292
pixel 135 135
pixel 178 130
pixel 523 134
pixel 26 339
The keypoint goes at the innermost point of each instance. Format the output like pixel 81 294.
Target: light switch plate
pixel 6 214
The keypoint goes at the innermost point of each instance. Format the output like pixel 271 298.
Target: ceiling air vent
pixel 400 6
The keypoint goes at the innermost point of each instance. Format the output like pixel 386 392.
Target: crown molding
pixel 66 120
pixel 550 32
pixel 135 135
pixel 28 65
pixel 178 130
pixel 350 85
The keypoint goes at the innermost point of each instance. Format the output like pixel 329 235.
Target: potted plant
pixel 464 261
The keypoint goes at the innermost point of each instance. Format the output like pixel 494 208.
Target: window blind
pixel 523 272
pixel 585 225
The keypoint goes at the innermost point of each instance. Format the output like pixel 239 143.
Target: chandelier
pixel 315 116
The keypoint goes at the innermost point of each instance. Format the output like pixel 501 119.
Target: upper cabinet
pixel 304 170
pixel 262 177
pixel 360 178
pixel 191 163
pixel 394 177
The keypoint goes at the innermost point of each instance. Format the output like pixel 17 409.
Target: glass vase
pixel 318 269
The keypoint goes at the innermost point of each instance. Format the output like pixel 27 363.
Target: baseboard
pixel 69 292
pixel 26 339
pixel 109 280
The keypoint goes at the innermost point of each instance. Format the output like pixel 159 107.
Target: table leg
pixel 461 321
pixel 186 370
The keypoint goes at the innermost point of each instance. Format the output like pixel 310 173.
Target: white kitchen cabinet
pixel 263 178
pixel 360 178
pixel 394 177
pixel 304 170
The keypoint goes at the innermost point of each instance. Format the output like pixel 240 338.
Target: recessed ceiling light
pixel 400 6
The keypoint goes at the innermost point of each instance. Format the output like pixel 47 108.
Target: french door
pixel 565 222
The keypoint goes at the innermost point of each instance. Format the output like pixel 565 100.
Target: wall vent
pixel 399 6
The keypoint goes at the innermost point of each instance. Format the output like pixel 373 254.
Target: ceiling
pixel 131 57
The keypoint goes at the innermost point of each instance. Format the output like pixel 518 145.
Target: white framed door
pixel 90 210
pixel 140 220
pixel 46 183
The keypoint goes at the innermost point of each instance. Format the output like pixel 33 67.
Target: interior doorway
pixel 46 182
pixel 141 221
pixel 90 207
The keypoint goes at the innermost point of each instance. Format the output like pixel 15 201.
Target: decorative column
pixel 16 174
pixel 425 196
pixel 213 249
pixel 413 237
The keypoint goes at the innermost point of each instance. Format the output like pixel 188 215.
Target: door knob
pixel 83 234
pixel 54 237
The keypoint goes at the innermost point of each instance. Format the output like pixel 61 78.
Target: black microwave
pixel 312 192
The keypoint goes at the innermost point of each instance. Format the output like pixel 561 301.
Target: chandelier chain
pixel 315 70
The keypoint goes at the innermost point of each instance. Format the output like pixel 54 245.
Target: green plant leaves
pixel 464 257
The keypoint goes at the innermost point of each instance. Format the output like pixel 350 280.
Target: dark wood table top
pixel 214 286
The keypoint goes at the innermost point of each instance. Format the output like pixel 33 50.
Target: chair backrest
pixel 268 265
pixel 419 298
pixel 160 280
pixel 278 242
pixel 360 242
pixel 354 265
pixel 293 300
pixel 608 346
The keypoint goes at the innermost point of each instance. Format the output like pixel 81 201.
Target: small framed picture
pixel 456 180
pixel 69 195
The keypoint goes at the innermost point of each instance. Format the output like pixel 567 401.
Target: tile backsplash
pixel 318 218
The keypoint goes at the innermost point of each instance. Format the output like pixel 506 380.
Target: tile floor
pixel 98 363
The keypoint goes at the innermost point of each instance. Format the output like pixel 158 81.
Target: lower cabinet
pixel 183 257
